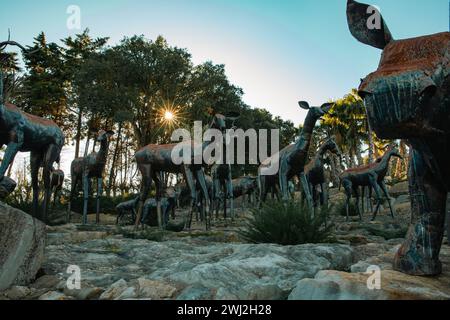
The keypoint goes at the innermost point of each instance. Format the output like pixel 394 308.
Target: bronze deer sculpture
pixel 371 176
pixel 408 97
pixel 23 132
pixel 315 173
pixel 83 169
pixel 292 159
pixel 56 183
pixel 155 159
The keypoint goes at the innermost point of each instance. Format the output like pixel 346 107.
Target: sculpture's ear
pixel 367 25
pixel 304 105
pixel 326 107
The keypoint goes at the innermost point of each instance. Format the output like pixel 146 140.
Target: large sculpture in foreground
pixel 408 97
pixel 23 132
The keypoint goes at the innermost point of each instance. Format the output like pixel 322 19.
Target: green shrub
pixel 287 223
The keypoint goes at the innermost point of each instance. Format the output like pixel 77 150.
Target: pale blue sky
pixel 278 51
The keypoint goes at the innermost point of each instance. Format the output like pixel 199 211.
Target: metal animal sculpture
pixel 315 172
pixel 245 187
pixel 84 169
pixel 150 206
pixel 7 186
pixel 154 159
pixel 222 188
pixel 408 97
pixel 292 159
pixel 23 132
pixel 56 183
pixel 125 208
pixel 369 176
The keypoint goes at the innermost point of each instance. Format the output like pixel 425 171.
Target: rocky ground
pixel 117 264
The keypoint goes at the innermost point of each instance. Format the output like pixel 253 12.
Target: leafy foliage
pixel 287 224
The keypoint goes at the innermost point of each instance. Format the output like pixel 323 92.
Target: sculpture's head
pixel 316 112
pixel 331 145
pixel 408 96
pixel 104 135
pixel 392 151
pixel 219 121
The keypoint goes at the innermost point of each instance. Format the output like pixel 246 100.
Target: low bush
pixel 287 223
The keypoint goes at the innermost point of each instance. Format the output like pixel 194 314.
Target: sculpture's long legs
pixel 10 153
pixel 200 176
pixel 146 172
pixel 374 184
pixel 363 199
pixel 230 191
pixel 190 181
pixel 35 163
pixel 284 182
pixel 49 158
pixel 356 192
pixel 347 184
pixel 386 194
pixel 157 179
pixel 419 254
pixel 99 194
pixel 325 197
pixel 73 190
pixel 86 182
pixel 305 185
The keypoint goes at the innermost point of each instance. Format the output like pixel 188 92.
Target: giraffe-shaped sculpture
pixel 315 172
pixel 23 132
pixel 292 159
pixel 83 169
pixel 371 176
pixel 153 159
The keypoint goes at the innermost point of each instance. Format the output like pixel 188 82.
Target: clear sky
pixel 278 51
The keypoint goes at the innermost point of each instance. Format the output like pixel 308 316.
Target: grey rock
pixel 195 292
pixel 22 250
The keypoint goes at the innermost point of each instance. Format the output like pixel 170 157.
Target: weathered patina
pixel 371 176
pixel 408 97
pixel 84 169
pixel 293 158
pixel 23 132
pixel 153 159
pixel 315 172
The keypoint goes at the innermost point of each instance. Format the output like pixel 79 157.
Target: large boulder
pixel 22 240
pixel 336 285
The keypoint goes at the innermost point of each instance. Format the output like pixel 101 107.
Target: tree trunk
pixel 112 176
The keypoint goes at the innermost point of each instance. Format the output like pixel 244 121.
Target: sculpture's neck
pixel 304 140
pixel 323 150
pixel 103 152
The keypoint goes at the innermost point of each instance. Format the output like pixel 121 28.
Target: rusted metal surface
pixel 408 97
